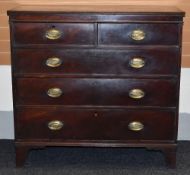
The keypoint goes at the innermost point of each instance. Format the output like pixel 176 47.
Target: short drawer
pixel 110 62
pixel 54 33
pixel 94 124
pixel 138 34
pixel 94 91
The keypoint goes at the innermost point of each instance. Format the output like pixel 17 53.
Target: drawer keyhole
pixel 96 114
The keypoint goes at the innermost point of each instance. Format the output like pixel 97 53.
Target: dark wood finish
pixel 21 154
pixel 95 124
pixel 72 33
pixel 149 145
pixel 97 62
pixel 91 17
pixel 104 13
pixel 170 156
pixel 96 92
pixel 95 77
pixel 155 34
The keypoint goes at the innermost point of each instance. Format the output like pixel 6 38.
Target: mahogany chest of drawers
pixel 99 76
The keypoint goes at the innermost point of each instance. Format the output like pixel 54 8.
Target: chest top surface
pixel 98 8
pixel 97 13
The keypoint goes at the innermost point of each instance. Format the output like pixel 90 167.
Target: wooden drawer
pixel 138 34
pixel 50 33
pixel 94 91
pixel 112 62
pixel 92 124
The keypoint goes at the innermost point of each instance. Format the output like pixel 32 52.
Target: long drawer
pixel 97 62
pixel 138 34
pixel 94 91
pixel 94 124
pixel 54 33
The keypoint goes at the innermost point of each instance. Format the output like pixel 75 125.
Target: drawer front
pixel 91 124
pixel 55 61
pixel 59 33
pixel 94 91
pixel 138 34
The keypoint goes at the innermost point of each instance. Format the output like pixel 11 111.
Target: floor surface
pixel 93 161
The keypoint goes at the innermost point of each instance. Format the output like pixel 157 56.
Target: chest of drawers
pixel 97 76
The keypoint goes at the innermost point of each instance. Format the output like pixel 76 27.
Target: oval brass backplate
pixel 137 62
pixel 135 126
pixel 138 35
pixel 136 93
pixel 53 62
pixel 53 34
pixel 54 92
pixel 55 125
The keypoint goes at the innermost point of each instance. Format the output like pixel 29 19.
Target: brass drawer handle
pixel 135 126
pixel 54 92
pixel 53 62
pixel 138 35
pixel 136 93
pixel 55 125
pixel 137 63
pixel 53 34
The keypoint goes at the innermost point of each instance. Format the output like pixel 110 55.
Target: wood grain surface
pixel 9 4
